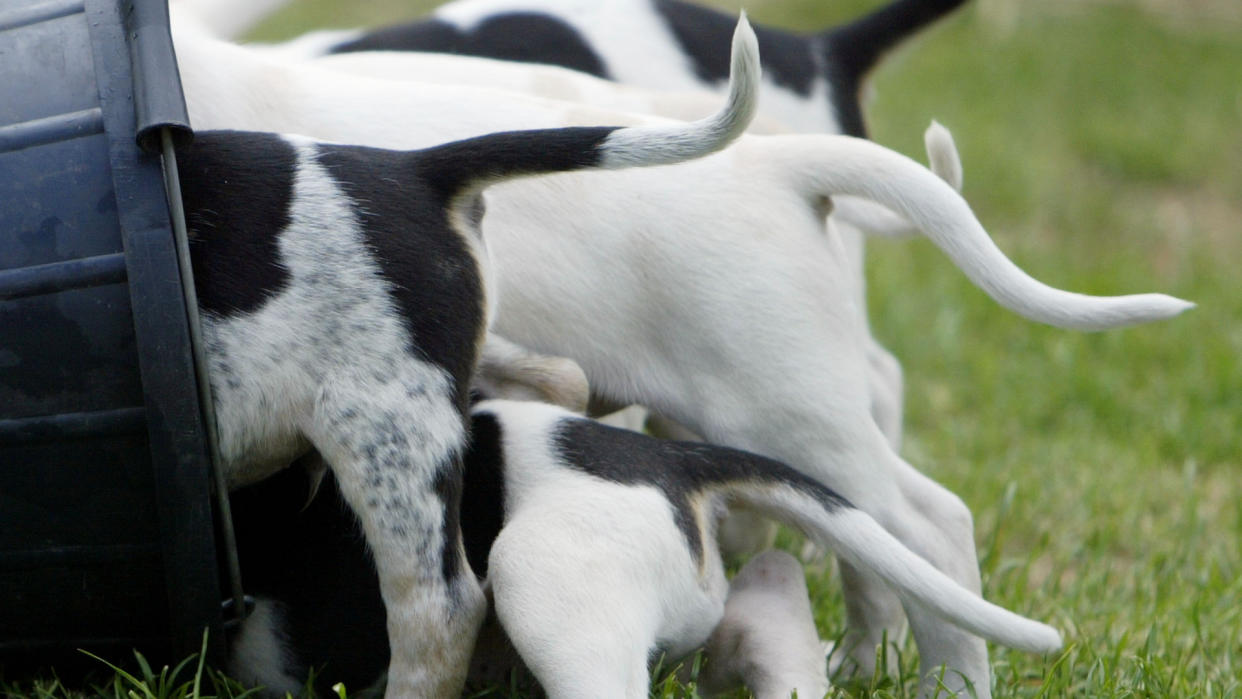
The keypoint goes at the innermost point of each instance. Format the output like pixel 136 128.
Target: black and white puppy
pixel 345 300
pixel 599 549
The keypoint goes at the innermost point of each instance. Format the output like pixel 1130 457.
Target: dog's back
pixel 670 45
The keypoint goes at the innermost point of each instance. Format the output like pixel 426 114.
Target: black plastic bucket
pixel 106 537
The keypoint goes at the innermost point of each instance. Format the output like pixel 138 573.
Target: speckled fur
pixel 327 362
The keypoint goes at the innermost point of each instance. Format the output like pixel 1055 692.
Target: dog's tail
pixel 780 492
pixel 853 49
pixel 469 165
pixel 856 47
pixel 826 165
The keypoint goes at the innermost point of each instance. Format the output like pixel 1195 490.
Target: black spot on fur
pixel 706 37
pixel 237 188
pixel 433 278
pixel 527 37
pixel 482 509
pixel 681 470
pixel 447 486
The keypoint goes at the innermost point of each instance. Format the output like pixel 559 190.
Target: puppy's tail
pixel 790 497
pixel 470 165
pixel 826 165
pixel 856 47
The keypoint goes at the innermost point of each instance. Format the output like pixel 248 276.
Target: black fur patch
pixel 482 510
pixel 433 278
pixel 527 37
pixel 680 469
pixel 447 486
pixel 706 37
pixel 237 187
pixel 852 50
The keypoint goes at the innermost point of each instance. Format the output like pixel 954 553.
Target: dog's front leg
pixel 393 439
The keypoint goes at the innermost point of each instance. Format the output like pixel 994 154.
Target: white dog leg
pixel 950 525
pixel 507 370
pixel 846 448
pixel 873 616
pixel 887 392
pixel 391 440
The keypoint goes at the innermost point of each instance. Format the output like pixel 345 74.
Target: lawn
pixel 1101 143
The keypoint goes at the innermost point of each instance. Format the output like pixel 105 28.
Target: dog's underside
pixel 605 557
pixel 663 286
pixel 344 300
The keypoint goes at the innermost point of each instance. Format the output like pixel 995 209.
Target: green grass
pixel 1101 146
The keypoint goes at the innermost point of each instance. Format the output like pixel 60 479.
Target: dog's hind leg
pixel 841 446
pixel 392 439
pixel 885 378
pixel 581 623
pixel 937 525
pixel 945 524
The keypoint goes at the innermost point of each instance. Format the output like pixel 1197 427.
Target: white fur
pixel 509 371
pixel 710 291
pixel 257 656
pixel 767 638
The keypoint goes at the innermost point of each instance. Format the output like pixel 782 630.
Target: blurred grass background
pixel 1102 144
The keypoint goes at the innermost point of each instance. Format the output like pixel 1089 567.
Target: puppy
pixel 344 297
pixel 711 291
pixel 598 546
pixel 766 638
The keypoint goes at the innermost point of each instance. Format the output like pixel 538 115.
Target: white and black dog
pixel 345 300
pixel 599 548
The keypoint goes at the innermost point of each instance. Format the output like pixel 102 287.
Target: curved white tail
pixel 856 537
pixel 827 165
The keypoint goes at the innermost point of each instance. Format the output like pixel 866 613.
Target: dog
pixel 712 291
pixel 598 547
pixel 766 638
pixel 344 296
